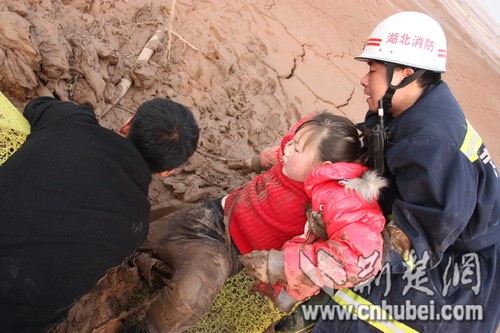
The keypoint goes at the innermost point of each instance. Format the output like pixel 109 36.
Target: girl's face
pixel 298 162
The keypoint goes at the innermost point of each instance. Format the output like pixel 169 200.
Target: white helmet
pixel 408 38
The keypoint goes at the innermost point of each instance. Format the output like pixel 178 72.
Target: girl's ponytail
pixel 366 152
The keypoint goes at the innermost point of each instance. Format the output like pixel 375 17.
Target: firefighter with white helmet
pixel 406 40
pixel 445 194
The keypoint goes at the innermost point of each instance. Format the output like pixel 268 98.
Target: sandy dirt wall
pixel 248 69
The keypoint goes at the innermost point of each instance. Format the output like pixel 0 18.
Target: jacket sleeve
pixel 45 111
pixel 34 110
pixel 437 193
pixel 351 255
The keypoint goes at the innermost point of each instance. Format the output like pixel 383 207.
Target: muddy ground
pixel 248 69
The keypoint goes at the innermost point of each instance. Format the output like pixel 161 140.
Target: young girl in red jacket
pixel 341 246
pixel 321 158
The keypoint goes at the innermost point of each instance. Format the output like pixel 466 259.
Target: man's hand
pixel 399 240
pixel 246 166
pixel 316 223
pixel 267 266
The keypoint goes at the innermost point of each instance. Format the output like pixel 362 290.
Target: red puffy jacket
pixel 346 195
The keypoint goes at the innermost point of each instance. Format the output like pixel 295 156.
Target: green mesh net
pixel 238 310
pixel 14 129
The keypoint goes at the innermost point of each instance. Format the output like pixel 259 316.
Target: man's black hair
pixel 165 133
pixel 428 78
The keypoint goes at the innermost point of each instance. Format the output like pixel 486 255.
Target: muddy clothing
pixel 194 242
pixel 263 214
pixel 73 204
pixel 447 200
pixel 203 255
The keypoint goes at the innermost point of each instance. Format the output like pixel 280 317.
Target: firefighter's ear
pixel 407 71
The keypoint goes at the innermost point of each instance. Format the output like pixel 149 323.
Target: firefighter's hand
pixel 316 223
pixel 267 266
pixel 399 240
pixel 246 166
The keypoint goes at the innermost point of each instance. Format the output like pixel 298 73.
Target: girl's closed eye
pixel 296 146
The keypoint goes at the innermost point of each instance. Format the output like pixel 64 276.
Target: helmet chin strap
pixel 379 131
pixel 387 99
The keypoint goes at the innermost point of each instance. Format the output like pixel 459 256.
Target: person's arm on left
pixel 46 111
pixel 35 109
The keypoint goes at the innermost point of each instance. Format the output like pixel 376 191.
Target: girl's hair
pixel 337 139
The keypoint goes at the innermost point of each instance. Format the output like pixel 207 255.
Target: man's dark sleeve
pixel 34 110
pixel 437 193
pixel 45 111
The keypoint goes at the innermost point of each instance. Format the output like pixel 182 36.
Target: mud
pixel 249 69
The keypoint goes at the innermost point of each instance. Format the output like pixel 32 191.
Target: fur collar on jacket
pixel 368 186
pixel 353 176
